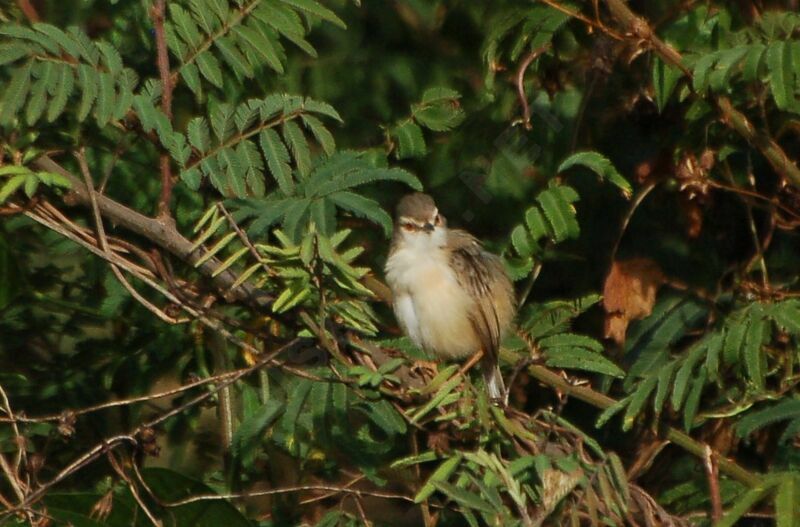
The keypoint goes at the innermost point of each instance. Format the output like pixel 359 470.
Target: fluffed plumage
pixel 451 297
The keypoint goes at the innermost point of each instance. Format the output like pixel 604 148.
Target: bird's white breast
pixel 429 303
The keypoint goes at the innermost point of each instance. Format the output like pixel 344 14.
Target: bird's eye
pixel 438 220
pixel 408 227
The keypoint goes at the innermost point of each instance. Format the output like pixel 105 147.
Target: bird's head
pixel 418 222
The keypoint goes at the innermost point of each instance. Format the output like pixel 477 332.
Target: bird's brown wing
pixel 481 274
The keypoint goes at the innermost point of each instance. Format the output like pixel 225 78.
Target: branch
pixel 162 233
pixel 640 28
pixel 271 492
pixel 523 100
pixel 158 12
pixel 600 400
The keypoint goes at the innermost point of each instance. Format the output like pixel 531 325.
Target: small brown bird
pixel 451 297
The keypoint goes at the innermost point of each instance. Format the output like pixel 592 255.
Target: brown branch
pixel 602 401
pixel 713 484
pixel 158 13
pixel 122 402
pixel 101 237
pixel 288 490
pixel 579 16
pixel 28 10
pixel 163 234
pixel 523 100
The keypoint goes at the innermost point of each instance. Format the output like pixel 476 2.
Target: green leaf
pixel 89 81
pixel 363 207
pixel 250 430
pixel 439 117
pixel 298 144
pixel 37 100
pixel 277 159
pixel 745 502
pixel 15 92
pixel 64 84
pixel 321 134
pixel 410 142
pixel 231 54
pixel 522 241
pixel 637 400
pixel 105 99
pixel 439 94
pixel 264 46
pixel 757 333
pixel 601 166
pixel 197 131
pixel 665 78
pixel 782 411
pixel 464 498
pixel 787 501
pixel 442 473
pixel 693 399
pixel 11 186
pixel 314 8
pixel 582 359
pixel 209 68
pixel 560 214
pixel 782 83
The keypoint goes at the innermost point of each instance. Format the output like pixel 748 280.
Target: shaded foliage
pixel 221 352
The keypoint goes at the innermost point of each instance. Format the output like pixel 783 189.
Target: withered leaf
pixel 629 293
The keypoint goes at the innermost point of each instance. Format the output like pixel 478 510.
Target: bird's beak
pixel 428 227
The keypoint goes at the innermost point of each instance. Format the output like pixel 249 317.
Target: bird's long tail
pixel 494 382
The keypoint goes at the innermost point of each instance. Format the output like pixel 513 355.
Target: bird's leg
pixel 425 368
pixel 471 362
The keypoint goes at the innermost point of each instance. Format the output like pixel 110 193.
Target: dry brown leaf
pixel 629 294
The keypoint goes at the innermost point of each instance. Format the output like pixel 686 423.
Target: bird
pixel 451 297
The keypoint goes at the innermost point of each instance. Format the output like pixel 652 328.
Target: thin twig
pixel 288 490
pixel 243 237
pixel 132 486
pixel 122 402
pixel 635 203
pixel 713 484
pixel 28 10
pixel 523 100
pixel 589 22
pixel 101 236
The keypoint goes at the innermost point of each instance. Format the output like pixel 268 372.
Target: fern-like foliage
pixel 314 199
pixel 492 490
pixel 765 53
pixel 17 177
pixel 312 420
pixel 516 30
pixel 292 270
pixel 547 327
pixel 438 111
pixel 236 146
pixel 553 218
pixel 51 65
pixel 739 345
pixel 209 35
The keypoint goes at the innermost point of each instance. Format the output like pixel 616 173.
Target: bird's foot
pixel 425 368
